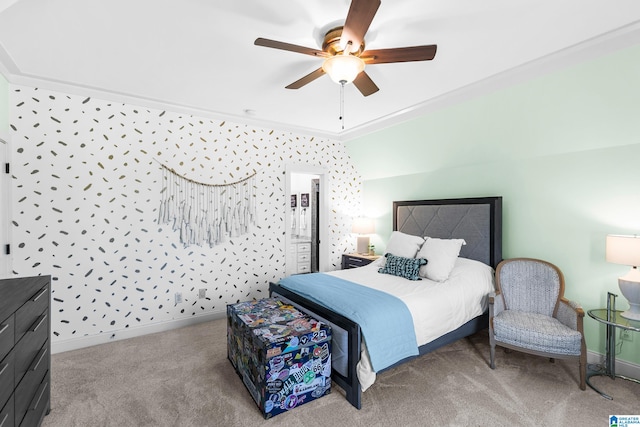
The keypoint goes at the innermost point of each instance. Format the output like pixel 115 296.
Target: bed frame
pixel 477 220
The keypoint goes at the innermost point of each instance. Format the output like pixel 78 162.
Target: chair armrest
pixel 570 314
pixel 496 304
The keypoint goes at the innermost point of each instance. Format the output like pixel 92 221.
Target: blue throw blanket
pixel 385 320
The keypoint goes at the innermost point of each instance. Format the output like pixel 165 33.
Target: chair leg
pixel 492 353
pixel 583 368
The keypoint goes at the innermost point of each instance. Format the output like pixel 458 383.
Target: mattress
pixel 436 307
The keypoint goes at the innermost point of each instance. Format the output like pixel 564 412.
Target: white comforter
pixel 436 307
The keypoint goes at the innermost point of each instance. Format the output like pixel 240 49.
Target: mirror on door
pixel 304 223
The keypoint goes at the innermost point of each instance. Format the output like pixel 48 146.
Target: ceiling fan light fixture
pixel 343 69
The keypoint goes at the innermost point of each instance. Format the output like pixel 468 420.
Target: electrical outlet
pixel 178 297
pixel 626 335
pixel 202 293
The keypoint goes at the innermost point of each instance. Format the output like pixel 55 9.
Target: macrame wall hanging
pixel 206 213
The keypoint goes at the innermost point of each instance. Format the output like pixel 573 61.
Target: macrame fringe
pixel 206 213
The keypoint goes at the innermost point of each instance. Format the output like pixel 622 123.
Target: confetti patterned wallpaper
pixel 86 183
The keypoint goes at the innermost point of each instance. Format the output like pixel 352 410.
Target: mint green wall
pixel 562 150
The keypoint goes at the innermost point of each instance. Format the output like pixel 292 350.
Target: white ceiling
pixel 198 56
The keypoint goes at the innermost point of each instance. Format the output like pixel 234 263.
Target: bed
pixel 478 221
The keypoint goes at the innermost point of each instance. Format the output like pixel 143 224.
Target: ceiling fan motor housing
pixel 331 43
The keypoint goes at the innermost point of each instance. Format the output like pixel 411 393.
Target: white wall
pixel 86 194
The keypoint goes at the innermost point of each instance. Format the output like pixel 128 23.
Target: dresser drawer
pixel 28 348
pixel 27 393
pixel 39 405
pixel 304 247
pixel 353 262
pixel 7 414
pixel 7 366
pixel 29 313
pixel 7 337
pixel 304 268
pixel 304 257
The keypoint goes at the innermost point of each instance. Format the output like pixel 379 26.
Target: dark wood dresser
pixel 25 351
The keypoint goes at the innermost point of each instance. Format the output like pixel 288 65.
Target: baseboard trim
pixel 623 367
pixel 123 334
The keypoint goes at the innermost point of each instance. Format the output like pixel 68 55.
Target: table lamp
pixel 626 250
pixel 362 227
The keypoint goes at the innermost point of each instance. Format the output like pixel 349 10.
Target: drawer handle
pixel 41 390
pixel 4 328
pixel 42 319
pixel 4 419
pixel 44 291
pixel 4 368
pixel 34 366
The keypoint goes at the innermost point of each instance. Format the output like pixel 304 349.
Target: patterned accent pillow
pixel 409 268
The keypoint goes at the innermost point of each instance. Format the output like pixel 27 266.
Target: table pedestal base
pixel 592 373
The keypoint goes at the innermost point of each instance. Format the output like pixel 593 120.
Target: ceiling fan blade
pixel 365 85
pixel 288 46
pixel 361 13
pixel 401 54
pixel 306 79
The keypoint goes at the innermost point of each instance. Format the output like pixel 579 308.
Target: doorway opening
pixel 305 220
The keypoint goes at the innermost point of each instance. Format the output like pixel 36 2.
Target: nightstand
pixel 357 260
pixel 613 319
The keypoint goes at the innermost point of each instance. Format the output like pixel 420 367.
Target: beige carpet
pixel 182 378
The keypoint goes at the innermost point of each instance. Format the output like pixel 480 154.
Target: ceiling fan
pixel 344 51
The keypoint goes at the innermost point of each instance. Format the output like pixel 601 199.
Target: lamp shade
pixel 626 250
pixel 363 226
pixel 623 250
pixel 343 68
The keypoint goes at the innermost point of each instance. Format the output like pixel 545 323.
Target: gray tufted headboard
pixel 476 220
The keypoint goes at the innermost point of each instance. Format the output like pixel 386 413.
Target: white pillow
pixel 403 245
pixel 441 255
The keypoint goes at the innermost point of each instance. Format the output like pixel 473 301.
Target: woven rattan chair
pixel 529 313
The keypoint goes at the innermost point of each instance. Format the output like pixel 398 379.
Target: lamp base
pixel 630 315
pixel 363 245
pixel 631 291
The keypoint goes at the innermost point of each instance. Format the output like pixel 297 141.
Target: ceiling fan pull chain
pixel 342 104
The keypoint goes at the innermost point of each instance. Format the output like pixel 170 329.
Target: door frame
pixel 323 212
pixel 5 207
